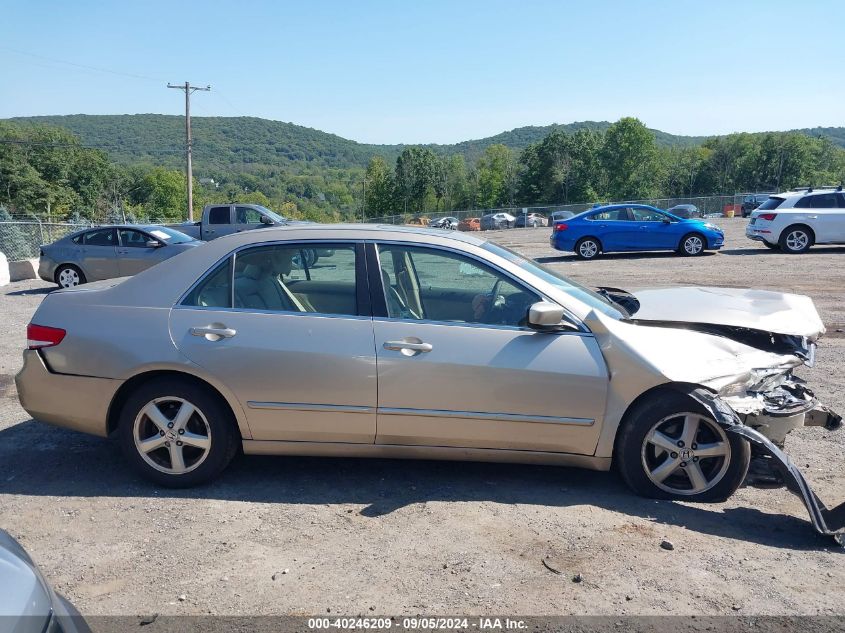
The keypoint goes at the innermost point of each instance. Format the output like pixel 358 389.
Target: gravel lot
pixel 304 535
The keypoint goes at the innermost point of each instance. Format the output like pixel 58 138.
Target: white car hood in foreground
pixel 777 312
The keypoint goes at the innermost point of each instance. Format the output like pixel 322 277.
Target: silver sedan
pixel 109 251
pixel 416 343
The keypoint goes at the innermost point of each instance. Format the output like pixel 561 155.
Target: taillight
pixel 561 227
pixel 38 336
pixel 767 216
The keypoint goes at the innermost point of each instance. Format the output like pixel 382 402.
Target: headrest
pixel 252 271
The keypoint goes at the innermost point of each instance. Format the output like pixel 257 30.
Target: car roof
pixel 803 192
pixel 370 231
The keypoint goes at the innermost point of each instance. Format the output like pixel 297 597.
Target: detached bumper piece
pixel 827 521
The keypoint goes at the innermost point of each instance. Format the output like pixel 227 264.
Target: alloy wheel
pixel 172 435
pixel 588 249
pixel 68 278
pixel 693 245
pixel 686 454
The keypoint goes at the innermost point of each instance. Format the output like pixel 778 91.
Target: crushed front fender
pixel 830 522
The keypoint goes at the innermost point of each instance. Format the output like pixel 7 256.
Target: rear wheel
pixel 68 276
pixel 692 245
pixel 796 239
pixel 670 448
pixel 177 433
pixel 588 248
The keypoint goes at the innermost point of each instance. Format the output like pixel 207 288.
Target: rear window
pixel 771 203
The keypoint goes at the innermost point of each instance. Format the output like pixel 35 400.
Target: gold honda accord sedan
pixel 421 343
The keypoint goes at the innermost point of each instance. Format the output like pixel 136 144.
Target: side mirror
pixel 154 244
pixel 667 221
pixel 544 315
pixel 266 220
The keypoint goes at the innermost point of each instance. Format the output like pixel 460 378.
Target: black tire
pixel 632 452
pixel 214 413
pixel 61 275
pixel 584 251
pixel 692 245
pixel 791 240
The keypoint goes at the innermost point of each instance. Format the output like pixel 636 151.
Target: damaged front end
pixel 765 415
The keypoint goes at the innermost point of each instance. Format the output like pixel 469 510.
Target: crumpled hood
pixel 764 310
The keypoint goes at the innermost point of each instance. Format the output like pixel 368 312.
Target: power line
pixel 85 66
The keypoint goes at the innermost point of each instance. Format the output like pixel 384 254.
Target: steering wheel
pixel 491 306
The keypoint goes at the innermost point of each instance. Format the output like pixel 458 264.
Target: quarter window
pixel 287 278
pixel 435 285
pixel 215 291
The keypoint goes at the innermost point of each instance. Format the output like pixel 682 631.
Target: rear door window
pixel 824 201
pixel 215 291
pixel 102 237
pixel 288 278
pixel 219 215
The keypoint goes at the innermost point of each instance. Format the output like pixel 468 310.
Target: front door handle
pixel 404 345
pixel 213 333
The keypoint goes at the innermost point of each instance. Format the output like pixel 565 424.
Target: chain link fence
pixel 21 237
pixel 708 206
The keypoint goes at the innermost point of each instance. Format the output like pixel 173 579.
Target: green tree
pixel 629 157
pixel 379 187
pixel 496 176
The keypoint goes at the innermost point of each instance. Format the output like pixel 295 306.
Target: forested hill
pixel 226 142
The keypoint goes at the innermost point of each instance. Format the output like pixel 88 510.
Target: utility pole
pixel 189 172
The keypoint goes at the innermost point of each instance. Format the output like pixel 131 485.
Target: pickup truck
pixel 223 219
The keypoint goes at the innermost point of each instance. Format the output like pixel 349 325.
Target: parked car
pixel 532 220
pixel 685 211
pixel 493 221
pixel 222 219
pixel 470 224
pixel 796 220
pixel 559 216
pixel 444 223
pixel 28 604
pixel 751 202
pixel 231 348
pixel 106 252
pixel 634 227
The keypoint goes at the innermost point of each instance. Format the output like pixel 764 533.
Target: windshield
pixel 271 214
pixel 582 293
pixel 169 235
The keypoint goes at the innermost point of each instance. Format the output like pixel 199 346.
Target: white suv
pixel 795 220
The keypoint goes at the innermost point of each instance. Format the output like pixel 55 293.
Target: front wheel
pixel 692 245
pixel 670 448
pixel 177 433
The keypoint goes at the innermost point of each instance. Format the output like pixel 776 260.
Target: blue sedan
pixel 634 227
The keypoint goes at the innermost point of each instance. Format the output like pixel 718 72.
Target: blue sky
pixel 432 71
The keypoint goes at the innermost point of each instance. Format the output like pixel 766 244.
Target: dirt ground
pixel 309 535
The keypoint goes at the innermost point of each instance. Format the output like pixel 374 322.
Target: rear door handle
pixel 414 347
pixel 219 332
